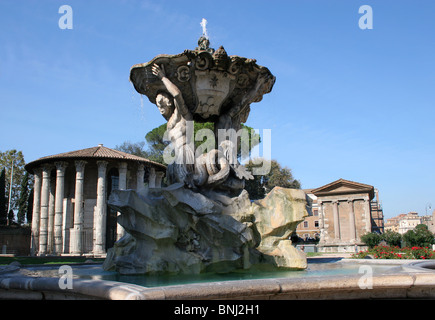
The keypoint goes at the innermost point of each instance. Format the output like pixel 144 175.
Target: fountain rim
pixel 414 281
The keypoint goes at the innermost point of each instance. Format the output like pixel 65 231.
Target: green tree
pixel 420 236
pixel 156 143
pixel 137 148
pixel 371 239
pixel 392 238
pixel 23 200
pixel 262 184
pixel 11 217
pixel 3 202
pixel 8 159
pixel 29 213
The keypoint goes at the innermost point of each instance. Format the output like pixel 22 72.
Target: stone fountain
pixel 203 220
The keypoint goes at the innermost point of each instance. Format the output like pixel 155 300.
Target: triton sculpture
pixel 204 220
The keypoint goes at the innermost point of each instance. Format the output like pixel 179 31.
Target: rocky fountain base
pixel 176 230
pixel 204 221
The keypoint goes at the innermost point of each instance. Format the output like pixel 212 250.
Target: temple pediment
pixel 342 186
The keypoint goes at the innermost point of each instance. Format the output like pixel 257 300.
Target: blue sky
pixel 348 103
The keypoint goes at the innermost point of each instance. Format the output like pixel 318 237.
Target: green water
pixel 96 272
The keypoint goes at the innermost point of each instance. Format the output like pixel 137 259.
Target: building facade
pixel 309 229
pixel 409 222
pixel 342 211
pixel 404 222
pixel 70 212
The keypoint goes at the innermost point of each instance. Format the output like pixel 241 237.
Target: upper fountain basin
pixel 211 82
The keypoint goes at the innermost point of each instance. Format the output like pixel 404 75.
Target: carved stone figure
pixel 204 220
pixel 204 85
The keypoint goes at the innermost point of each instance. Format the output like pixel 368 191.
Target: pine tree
pixel 3 209
pixel 11 217
pixel 22 201
pixel 29 213
pixel 15 159
pixel 277 176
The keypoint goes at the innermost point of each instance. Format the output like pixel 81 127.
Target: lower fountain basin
pixel 330 280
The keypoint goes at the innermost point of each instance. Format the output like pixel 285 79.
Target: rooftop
pixel 100 152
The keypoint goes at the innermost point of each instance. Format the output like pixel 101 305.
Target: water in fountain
pixel 204 28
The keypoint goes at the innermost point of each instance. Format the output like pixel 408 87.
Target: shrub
pixel 371 239
pixel 387 252
pixel 419 237
pixel 422 253
pixel 360 255
pixel 392 238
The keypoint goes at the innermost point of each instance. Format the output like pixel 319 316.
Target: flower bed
pixel 385 252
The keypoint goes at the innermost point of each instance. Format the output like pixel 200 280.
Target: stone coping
pixel 381 261
pixel 415 282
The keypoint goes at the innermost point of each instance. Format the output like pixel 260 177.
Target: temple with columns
pixel 70 212
pixel 342 211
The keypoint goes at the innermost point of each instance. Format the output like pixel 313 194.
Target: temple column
pixel 321 221
pixel 352 228
pixel 368 215
pixel 122 186
pixel 152 178
pixel 50 229
pixel 37 174
pixel 77 236
pixel 58 206
pixel 100 211
pixel 336 220
pixel 140 187
pixel 45 198
pixel 321 215
pixel 159 177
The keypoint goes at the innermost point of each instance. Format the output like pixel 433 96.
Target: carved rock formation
pixel 176 230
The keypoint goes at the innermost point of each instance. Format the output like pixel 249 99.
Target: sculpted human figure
pixel 211 168
pixel 171 105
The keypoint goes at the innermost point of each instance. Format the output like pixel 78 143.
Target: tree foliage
pixel 3 202
pixel 420 236
pixel 23 200
pixel 136 148
pixel 392 238
pixel 12 162
pixel 262 184
pixel 29 213
pixel 7 159
pixel 154 145
pixel 371 239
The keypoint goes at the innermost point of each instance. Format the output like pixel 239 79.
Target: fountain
pixel 204 221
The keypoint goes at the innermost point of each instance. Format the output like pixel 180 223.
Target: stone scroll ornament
pixel 204 85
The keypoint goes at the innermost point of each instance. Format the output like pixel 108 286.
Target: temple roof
pixel 342 186
pixel 99 152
